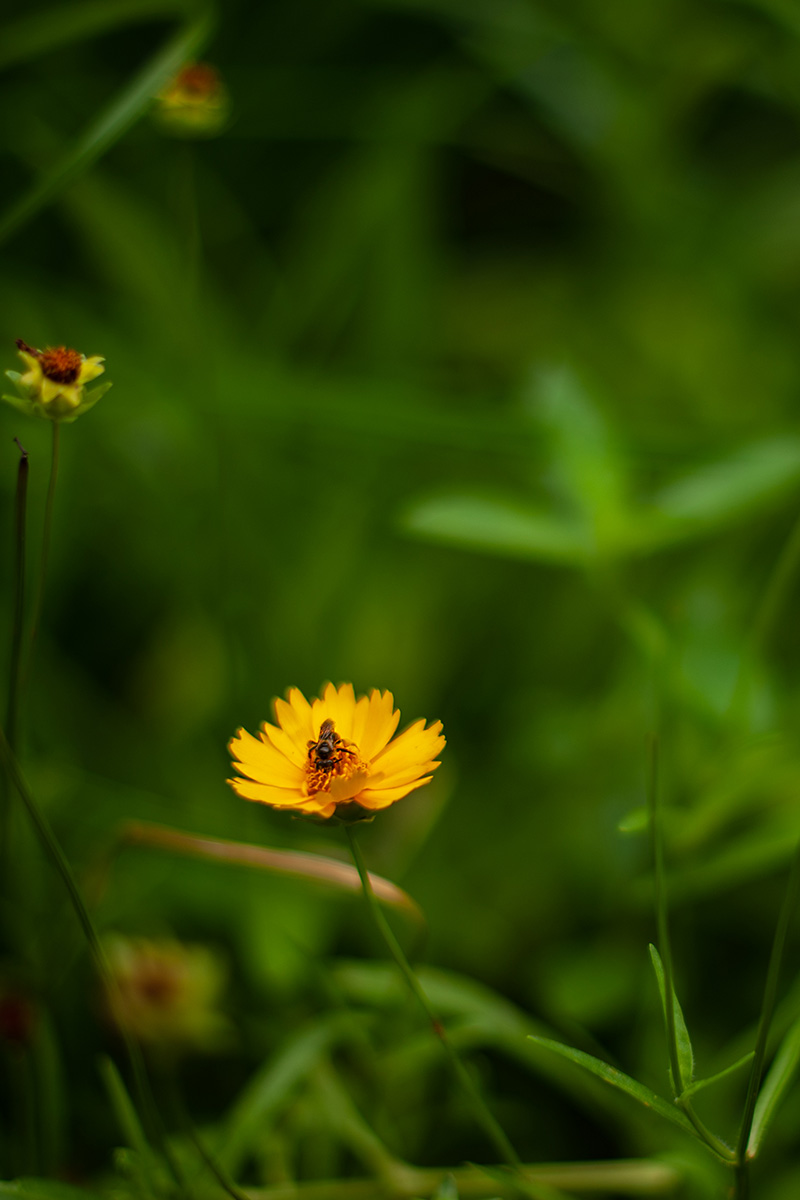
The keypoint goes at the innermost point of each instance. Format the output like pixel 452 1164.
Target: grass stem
pixel 490 1126
pixel 59 861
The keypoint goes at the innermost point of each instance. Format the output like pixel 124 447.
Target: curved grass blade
pixel 618 1079
pixel 113 122
pixel 779 1078
pixel 299 864
pixel 30 36
pixel 681 1033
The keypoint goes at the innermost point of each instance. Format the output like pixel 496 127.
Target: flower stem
pixel 482 1113
pixel 59 860
pixel 12 712
pixel 20 511
pixel 45 556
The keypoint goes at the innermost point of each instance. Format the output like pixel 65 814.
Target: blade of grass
pixel 765 1020
pixel 29 37
pixel 684 1044
pixel 298 864
pixel 113 122
pixel 779 1078
pixel 618 1079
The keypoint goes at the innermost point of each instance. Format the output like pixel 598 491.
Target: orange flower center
pixel 329 757
pixel 61 365
pixel 200 79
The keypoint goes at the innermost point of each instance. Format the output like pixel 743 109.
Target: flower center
pixel 329 757
pixel 60 364
pixel 200 79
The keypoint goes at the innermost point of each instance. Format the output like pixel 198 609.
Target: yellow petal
pixel 402 775
pixel 415 745
pixel 342 788
pixel 280 797
pixel 376 798
pixel 261 761
pixel 337 705
pixel 277 797
pixel 295 718
pixel 375 722
pixel 90 369
pixel 292 748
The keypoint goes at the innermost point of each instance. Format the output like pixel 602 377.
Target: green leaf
pixel 145 1162
pixel 779 1078
pixel 267 1093
pixel 742 482
pixel 585 457
pixel 618 1079
pixel 685 1052
pixel 497 526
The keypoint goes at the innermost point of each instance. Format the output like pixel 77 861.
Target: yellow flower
pixel 53 384
pixel 335 756
pixel 194 103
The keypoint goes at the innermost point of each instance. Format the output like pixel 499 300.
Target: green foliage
pixel 462 363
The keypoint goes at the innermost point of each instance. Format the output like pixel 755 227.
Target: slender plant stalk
pixel 482 1113
pixel 59 860
pixel 17 628
pixel 45 555
pixel 715 1144
pixel 765 1020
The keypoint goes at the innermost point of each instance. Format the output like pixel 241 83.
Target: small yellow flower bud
pixel 193 104
pixel 53 384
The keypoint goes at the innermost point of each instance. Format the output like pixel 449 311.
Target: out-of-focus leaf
pixel 497 526
pixel 585 459
pixel 779 1079
pixel 684 1043
pixel 715 494
pixel 618 1079
pixel 263 1097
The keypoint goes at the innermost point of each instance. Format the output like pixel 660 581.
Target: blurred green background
pixel 464 363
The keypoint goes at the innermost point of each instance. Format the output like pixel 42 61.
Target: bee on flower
pixel 53 384
pixel 334 756
pixel 194 103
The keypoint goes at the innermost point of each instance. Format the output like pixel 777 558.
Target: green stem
pixel 482 1113
pixel 45 555
pixel 12 715
pixel 59 860
pixel 20 511
pixel 767 1009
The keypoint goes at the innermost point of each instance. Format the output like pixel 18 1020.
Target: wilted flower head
pixel 194 103
pixel 334 756
pixel 53 384
pixel 167 991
